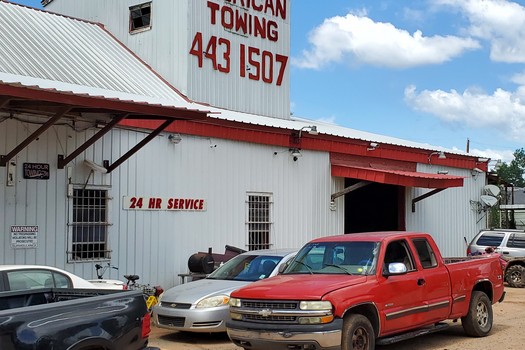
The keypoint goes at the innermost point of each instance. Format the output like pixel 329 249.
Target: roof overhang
pixel 397 177
pixel 390 172
pixel 57 104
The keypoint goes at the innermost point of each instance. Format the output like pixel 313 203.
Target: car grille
pixel 269 305
pixel 174 305
pixel 171 321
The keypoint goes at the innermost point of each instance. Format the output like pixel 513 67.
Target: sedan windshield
pixel 246 268
pixel 350 258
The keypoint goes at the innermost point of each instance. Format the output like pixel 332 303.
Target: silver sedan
pixel 202 305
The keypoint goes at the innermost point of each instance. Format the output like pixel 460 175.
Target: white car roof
pixel 78 282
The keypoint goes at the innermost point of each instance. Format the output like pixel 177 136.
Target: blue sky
pixel 431 71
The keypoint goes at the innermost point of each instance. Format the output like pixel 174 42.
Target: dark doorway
pixel 375 207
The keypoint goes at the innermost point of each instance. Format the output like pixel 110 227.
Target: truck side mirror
pixel 282 267
pixel 395 269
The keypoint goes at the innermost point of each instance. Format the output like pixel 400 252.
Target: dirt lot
pixel 509 323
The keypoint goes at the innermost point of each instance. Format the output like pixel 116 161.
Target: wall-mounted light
pixel 311 129
pixel 372 146
pixel 442 172
pixel 295 153
pixel 440 154
pixel 295 137
pixel 175 138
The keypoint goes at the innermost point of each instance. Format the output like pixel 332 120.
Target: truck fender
pixel 367 309
pixel 92 343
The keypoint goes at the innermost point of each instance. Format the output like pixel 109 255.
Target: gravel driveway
pixel 509 323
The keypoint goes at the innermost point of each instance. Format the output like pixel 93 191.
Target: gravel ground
pixel 509 322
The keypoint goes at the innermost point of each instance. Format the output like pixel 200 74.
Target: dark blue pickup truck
pixel 74 319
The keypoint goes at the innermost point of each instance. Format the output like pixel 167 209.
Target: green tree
pixel 514 171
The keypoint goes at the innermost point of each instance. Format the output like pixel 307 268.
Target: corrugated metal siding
pixel 66 47
pixel 448 215
pixel 157 244
pixel 160 47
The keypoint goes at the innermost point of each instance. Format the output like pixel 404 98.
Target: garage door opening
pixel 375 207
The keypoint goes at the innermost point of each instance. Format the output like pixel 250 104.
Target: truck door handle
pixel 421 282
pixel 506 253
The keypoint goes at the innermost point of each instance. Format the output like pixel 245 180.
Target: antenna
pixel 488 201
pixel 492 190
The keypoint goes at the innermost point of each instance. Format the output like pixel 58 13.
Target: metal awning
pixel 405 178
pixel 398 177
pixel 55 106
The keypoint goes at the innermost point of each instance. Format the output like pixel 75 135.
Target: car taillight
pixel 124 287
pixel 146 325
pixel 158 291
pixel 469 252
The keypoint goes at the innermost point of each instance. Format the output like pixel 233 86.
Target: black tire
pixel 478 321
pixel 515 276
pixel 358 333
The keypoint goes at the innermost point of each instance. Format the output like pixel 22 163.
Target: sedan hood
pixel 192 292
pixel 294 287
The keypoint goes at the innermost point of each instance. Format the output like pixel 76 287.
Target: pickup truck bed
pixel 73 319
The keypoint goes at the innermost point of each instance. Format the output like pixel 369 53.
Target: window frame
pixel 132 29
pixel 431 254
pixel 93 227
pixel 254 234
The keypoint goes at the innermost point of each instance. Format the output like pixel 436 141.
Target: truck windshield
pixel 246 267
pixel 352 258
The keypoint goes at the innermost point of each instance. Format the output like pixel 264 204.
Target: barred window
pixel 259 221
pixel 89 225
pixel 140 18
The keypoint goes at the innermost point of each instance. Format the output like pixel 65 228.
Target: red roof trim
pixel 325 143
pixel 397 177
pixel 73 99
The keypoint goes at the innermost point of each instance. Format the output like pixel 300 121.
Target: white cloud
pixel 500 22
pixel 503 111
pixel 359 40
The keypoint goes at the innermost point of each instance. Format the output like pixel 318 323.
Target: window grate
pixel 89 225
pixel 259 221
pixel 140 17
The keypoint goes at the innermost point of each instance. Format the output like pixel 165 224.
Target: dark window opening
pixel 140 17
pixel 375 207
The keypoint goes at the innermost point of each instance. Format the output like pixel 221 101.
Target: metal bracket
pixel 5 158
pixel 135 149
pixel 349 189
pixel 62 162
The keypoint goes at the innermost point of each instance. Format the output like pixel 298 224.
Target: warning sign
pixel 23 236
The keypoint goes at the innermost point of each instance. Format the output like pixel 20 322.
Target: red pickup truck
pixel 358 290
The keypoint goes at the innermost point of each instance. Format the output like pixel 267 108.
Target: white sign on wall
pixel 23 236
pixel 158 203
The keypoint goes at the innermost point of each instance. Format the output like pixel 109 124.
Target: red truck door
pixel 401 298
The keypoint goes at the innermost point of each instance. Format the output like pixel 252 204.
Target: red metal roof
pixel 397 177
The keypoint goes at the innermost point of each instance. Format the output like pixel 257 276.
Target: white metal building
pixel 103 158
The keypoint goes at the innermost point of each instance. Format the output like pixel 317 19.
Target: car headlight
pixel 235 302
pixel 315 305
pixel 215 301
